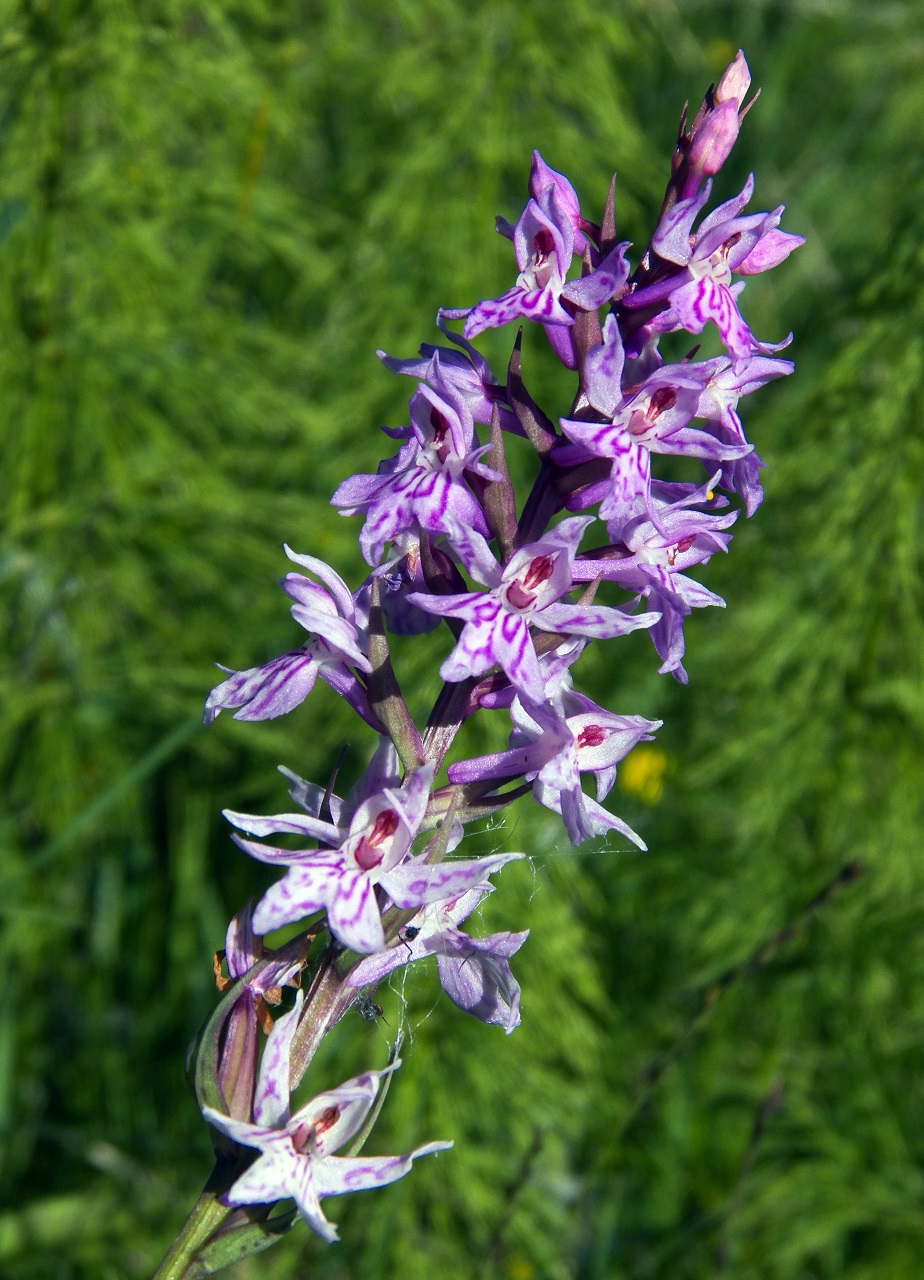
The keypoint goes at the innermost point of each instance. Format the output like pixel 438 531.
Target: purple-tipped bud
pixel 715 129
pixel 735 81
pixel 713 141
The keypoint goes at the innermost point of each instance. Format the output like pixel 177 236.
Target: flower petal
pixel 416 883
pixel 340 1174
pixel 262 693
pixel 353 913
pixel 271 1096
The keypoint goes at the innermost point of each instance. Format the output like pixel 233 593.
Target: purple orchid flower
pixel 422 486
pixel 727 382
pixel 551 746
pixel 541 177
pixel 651 559
pixel 523 593
pixel 465 370
pixel 297 1157
pixel 474 972
pixel 651 417
pixel 262 693
pixel 716 127
pixel 342 877
pixel 725 243
pixel 544 243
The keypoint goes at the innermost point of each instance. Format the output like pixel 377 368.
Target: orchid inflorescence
pixel 374 887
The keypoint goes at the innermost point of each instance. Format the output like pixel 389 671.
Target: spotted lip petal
pixel 417 490
pixel 296 1151
pixel 497 622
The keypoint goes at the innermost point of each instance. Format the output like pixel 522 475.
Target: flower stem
pixel 206 1217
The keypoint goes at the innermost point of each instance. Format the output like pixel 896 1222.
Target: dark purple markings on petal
pixel 544 306
pixel 414 885
pixel 353 913
pixel 513 630
pixel 269 1179
pixel 515 653
pixel 336 1175
pixel 492 313
pixel 485 611
pixel 706 299
pixel 598 621
pixel 464 605
pixel 262 693
pixel 298 894
pixel 475 651
pixel 606 440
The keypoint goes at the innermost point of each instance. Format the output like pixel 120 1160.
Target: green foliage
pixel 210 216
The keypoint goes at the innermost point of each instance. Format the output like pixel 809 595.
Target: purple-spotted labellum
pixel 335 653
pixel 651 558
pixel 423 486
pixel 341 874
pixel 701 290
pixel 474 972
pixel 551 746
pixel 523 593
pixel 297 1157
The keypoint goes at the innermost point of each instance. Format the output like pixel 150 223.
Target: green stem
pixel 207 1216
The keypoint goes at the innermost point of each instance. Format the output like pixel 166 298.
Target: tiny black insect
pixel 367 1008
pixel 408 934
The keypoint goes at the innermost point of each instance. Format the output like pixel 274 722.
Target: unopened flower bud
pixel 735 81
pixel 713 141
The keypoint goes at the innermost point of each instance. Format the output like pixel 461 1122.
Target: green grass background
pixel 210 216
